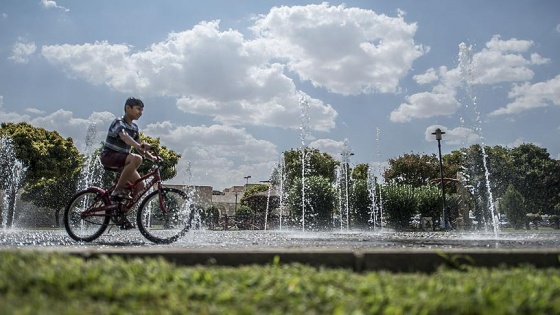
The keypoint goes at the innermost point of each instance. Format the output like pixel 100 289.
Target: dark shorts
pixel 113 159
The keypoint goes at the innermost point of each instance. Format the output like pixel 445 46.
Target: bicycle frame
pixel 110 206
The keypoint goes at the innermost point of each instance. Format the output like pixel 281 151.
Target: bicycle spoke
pixel 165 223
pixel 81 224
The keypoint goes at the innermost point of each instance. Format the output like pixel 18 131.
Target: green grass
pixel 54 283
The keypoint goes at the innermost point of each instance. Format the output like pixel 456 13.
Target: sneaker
pixel 127 225
pixel 120 196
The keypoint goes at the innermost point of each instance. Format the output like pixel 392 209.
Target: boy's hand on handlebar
pixel 145 146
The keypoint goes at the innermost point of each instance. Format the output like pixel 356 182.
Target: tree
pixel 513 206
pixel 317 163
pixel 429 201
pixel 535 176
pixel 319 203
pixel 399 204
pixel 52 163
pixel 412 169
pixel 361 203
pixel 170 158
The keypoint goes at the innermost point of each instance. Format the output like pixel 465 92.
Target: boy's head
pixel 131 101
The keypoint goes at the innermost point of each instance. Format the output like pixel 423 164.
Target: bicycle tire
pixel 166 228
pixel 85 229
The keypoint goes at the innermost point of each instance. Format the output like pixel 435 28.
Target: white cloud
pixel 345 50
pixel 529 96
pixel 209 72
pixel 22 50
pixel 456 136
pixel 217 154
pixel 427 77
pixel 329 146
pixel 35 111
pixel 558 28
pixel 424 105
pixel 500 61
pixel 239 81
pixel 50 4
pixel 503 61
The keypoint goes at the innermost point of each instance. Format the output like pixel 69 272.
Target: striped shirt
pixel 114 142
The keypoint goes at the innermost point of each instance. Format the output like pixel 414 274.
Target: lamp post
pixel 247 178
pixel 438 134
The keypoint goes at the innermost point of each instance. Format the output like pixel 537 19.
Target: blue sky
pixel 223 81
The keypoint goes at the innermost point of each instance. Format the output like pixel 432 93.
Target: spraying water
pixel 346 153
pixel 466 65
pixel 376 214
pixel 304 128
pixel 91 173
pixel 12 175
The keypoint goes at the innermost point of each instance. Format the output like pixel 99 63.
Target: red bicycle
pixel 164 215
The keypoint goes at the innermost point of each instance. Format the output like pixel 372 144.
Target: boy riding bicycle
pixel 123 135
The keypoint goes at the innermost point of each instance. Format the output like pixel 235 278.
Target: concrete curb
pixel 394 260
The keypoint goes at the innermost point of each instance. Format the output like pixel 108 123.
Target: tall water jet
pixel 277 182
pixel 345 180
pixel 304 133
pixel 12 176
pixel 376 211
pixel 466 66
pixel 91 172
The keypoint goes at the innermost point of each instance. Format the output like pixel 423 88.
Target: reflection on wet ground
pixel 257 240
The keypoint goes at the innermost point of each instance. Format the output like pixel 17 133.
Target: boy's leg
pixel 129 173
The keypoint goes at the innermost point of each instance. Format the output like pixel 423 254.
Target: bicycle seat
pixel 113 169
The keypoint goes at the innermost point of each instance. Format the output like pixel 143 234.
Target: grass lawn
pixel 54 283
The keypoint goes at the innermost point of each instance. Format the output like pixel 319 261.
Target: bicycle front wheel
pixel 165 215
pixel 85 228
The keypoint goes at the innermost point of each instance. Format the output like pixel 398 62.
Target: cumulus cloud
pixel 50 4
pixel 209 72
pixel 345 50
pixel 22 50
pixel 217 154
pixel 453 136
pixel 529 96
pixel 329 146
pixel 241 81
pixel 500 61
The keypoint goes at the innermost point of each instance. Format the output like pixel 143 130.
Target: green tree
pixel 256 197
pixel 170 158
pixel 412 169
pixel 317 163
pixel 513 206
pixel 361 203
pixel 360 172
pixel 52 163
pixel 319 203
pixel 429 201
pixel 535 176
pixel 399 204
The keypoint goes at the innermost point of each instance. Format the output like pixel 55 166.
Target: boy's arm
pixel 140 147
pixel 130 141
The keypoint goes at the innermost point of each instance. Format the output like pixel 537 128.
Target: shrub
pixel 399 203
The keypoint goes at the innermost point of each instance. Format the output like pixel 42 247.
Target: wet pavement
pixel 356 250
pixel 281 239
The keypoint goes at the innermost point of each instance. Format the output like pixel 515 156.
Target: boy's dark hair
pixel 131 101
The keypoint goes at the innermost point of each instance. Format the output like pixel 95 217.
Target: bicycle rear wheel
pixel 85 228
pixel 165 226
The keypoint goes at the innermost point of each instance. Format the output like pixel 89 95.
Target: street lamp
pixel 247 178
pixel 438 134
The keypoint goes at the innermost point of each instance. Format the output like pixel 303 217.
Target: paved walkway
pixel 356 250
